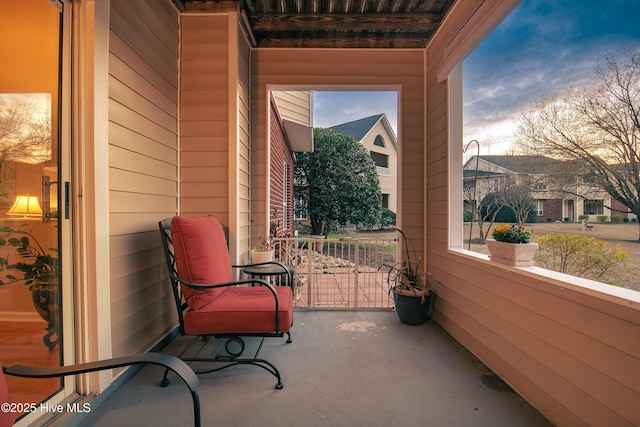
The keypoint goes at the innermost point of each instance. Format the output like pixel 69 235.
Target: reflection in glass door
pixel 30 286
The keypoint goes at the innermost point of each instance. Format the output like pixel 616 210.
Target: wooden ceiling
pixel 398 24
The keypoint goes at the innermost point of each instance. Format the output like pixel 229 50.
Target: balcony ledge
pixel 615 294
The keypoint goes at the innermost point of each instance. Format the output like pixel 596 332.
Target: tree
pixel 488 211
pixel 513 203
pixel 24 135
pixel 517 199
pixel 597 129
pixel 338 183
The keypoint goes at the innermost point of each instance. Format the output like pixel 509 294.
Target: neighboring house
pixel 555 199
pixel 378 138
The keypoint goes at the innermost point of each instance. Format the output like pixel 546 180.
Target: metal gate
pixel 345 273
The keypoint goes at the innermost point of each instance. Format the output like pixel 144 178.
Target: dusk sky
pixel 334 108
pixel 543 47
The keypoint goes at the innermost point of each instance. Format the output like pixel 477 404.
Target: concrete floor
pixel 344 368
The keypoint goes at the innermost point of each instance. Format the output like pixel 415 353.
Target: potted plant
pixel 40 272
pixel 410 286
pixel 263 252
pixel 511 245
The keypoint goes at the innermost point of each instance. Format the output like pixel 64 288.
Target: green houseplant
pixel 410 286
pixel 39 269
pixel 37 264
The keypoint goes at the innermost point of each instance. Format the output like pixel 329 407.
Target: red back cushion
pixel 202 257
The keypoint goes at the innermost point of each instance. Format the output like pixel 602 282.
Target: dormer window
pixel 379 141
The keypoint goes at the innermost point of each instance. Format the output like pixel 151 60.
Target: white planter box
pixel 514 254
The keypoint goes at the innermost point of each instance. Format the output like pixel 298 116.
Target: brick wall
pixel 281 197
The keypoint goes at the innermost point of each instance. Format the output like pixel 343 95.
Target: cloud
pixel 540 50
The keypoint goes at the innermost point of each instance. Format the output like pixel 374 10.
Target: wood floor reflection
pixel 21 344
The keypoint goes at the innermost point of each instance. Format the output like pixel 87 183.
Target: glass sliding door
pixel 31 123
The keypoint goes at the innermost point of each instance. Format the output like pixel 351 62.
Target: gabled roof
pixel 532 165
pixel 358 129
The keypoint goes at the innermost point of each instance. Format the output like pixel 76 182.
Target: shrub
pixel 616 219
pixel 493 202
pixel 602 218
pixel 387 218
pixel 467 216
pixel 580 256
pixel 583 217
pixel 625 220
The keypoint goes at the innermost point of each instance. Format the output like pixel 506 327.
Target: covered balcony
pixel 171 117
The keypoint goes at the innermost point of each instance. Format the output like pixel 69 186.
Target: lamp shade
pixel 25 206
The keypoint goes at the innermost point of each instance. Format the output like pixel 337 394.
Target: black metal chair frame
pixel 233 338
pixel 169 362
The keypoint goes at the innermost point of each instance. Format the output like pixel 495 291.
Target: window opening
pixel 509 99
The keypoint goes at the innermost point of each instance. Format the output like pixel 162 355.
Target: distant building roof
pixel 533 165
pixel 358 129
pixel 471 174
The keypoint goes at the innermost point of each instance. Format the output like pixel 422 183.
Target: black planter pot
pixel 45 299
pixel 413 309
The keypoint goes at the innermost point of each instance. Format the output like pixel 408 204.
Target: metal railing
pixel 339 273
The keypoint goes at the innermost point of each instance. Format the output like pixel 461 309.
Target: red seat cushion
pixel 202 257
pixel 248 310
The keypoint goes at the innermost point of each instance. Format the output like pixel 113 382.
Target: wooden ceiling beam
pixel 217 6
pixel 409 22
pixel 345 40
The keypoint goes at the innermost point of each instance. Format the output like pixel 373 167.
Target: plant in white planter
pixel 511 245
pixel 263 252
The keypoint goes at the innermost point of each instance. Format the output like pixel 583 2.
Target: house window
pixel 539 186
pixel 379 141
pixel 385 201
pixel 381 160
pixel 540 207
pixel 593 207
pixel 300 210
pixel 286 191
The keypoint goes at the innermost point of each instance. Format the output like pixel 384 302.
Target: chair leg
pixel 229 360
pixel 289 340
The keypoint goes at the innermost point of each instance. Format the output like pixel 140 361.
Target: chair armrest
pixel 166 360
pixel 285 269
pixel 278 263
pixel 260 282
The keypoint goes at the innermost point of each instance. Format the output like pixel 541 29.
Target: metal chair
pixel 210 303
pixel 171 363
